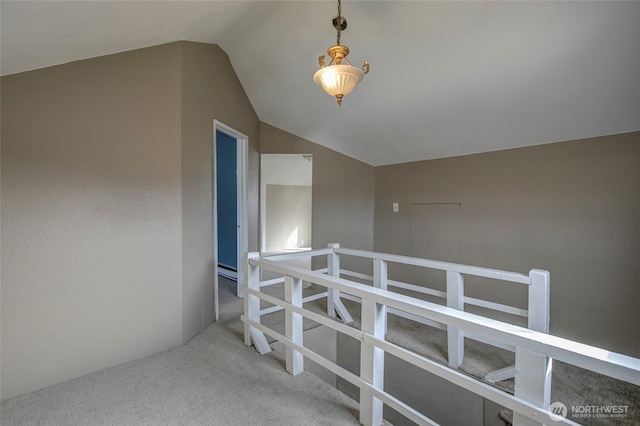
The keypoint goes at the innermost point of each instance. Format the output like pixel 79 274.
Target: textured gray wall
pixel 210 90
pixel 572 208
pixel 107 251
pixel 91 216
pixel 288 211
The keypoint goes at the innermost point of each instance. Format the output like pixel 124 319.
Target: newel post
pixel 455 300
pixel 252 306
pixel 533 371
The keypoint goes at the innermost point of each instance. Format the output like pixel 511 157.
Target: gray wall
pixel 106 213
pixel 210 90
pixel 342 191
pixel 288 210
pixel 572 208
pixel 91 212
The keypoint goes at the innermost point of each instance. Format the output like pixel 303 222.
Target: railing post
pixel 533 371
pixel 333 269
pixel 252 306
pixel 334 304
pixel 455 300
pixel 539 295
pixel 380 278
pixel 374 322
pixel 251 303
pixel 293 324
pixel 380 274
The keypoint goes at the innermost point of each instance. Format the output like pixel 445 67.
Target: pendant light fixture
pixel 339 78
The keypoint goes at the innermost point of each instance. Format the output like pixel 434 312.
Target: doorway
pixel 285 206
pixel 227 212
pixel 230 223
pixel 285 202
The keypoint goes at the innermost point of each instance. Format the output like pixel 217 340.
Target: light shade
pixel 338 80
pixel 339 77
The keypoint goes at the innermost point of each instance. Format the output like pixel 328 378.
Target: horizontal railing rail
pixel 499 307
pixel 534 349
pixel 537 283
pixel 435 264
pixel 300 254
pixel 465 300
pixel 618 366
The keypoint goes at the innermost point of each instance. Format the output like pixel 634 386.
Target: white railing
pixel 537 281
pixel 534 348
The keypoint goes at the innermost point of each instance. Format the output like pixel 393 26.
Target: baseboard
pixel 228 273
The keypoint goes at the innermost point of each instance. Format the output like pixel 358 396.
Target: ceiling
pixel 447 78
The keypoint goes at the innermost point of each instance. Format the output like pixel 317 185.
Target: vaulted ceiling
pixel 447 78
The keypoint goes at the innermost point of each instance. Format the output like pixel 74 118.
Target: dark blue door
pixel 227 188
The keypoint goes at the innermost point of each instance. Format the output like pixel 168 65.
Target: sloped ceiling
pixel 447 78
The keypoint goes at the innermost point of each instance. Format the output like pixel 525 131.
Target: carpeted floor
pixel 571 385
pixel 212 380
pixel 216 380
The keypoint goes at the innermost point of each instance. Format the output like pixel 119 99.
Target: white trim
pixel 263 211
pixel 534 348
pixel 444 266
pixel 242 219
pixel 618 366
pixel 228 273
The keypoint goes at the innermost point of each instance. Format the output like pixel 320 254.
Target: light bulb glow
pixel 338 79
pixel 330 79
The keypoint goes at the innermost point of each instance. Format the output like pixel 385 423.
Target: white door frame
pixel 241 210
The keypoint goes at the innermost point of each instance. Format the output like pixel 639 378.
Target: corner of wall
pixel 210 90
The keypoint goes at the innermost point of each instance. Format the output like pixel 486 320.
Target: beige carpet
pixel 212 380
pixel 571 385
pixel 216 380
